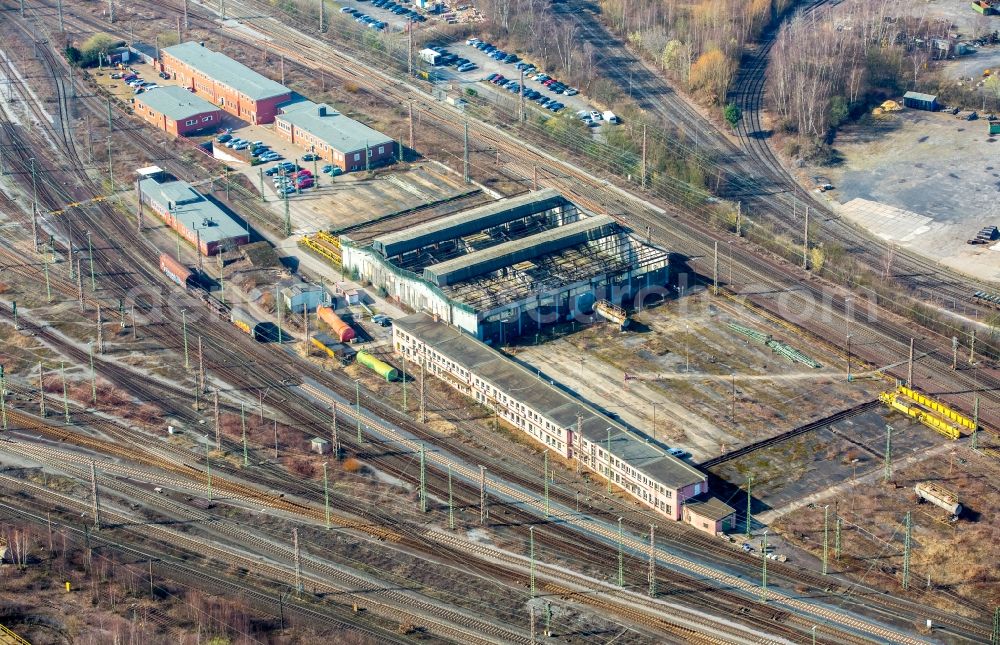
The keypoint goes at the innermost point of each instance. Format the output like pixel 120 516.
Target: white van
pixel 611 118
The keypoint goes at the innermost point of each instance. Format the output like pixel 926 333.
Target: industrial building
pixel 302 294
pixel 559 421
pixel 510 267
pixel 177 111
pixel 234 87
pixel 197 219
pixel 336 138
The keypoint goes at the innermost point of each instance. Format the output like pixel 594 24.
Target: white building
pixel 552 417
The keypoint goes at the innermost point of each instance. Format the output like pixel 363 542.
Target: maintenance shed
pixel 197 219
pixel 709 514
pixel 339 139
pixel 920 101
pixel 508 268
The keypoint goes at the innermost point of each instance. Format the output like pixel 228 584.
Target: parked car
pixel 310 156
pixel 572 91
pixel 468 67
pixel 472 41
pixel 222 138
pixel 381 320
pixel 165 76
pixel 511 58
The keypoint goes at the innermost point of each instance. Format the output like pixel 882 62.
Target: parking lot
pixel 487 65
pixel 387 15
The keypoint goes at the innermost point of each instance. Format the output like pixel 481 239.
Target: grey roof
pixel 336 130
pixel 711 507
pixel 175 102
pixel 192 209
pixel 549 401
pixel 920 96
pixel 510 253
pixel 225 70
pixel 468 222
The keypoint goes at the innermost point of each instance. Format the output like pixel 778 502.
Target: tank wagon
pixel 341 330
pixel 383 369
pixel 939 496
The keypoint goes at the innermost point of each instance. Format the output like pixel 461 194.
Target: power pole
pixel 972 348
pixel 298 560
pixel 184 330
pixel 208 465
pixel 906 552
pixel 621 554
pixel 243 428
pixel 642 179
pixel 321 3
pixel 749 483
pixel 111 11
pixel 954 353
pixel 409 48
pixel 836 536
pixel 520 107
pixel 482 495
pixel 275 439
pixel 531 621
pixel 34 205
pixel 715 271
pixel 545 482
pixel 180 37
pixel 411 125
pixel 357 391
pixel 909 368
pixel 201 368
pixel 218 424
pixel 41 390
pixel 652 561
pixel 975 423
pixel 531 561
pixel 187 25
pixel 423 408
pixel 763 574
pixel 277 302
pixel 888 454
pixel 826 538
pixel 90 254
pixel 100 331
pixel 465 156
pixel 423 480
pixel 96 505
pixel 62 372
pixel 326 495
pixel 451 503
pixel 805 243
pixel 534 178
pixel 93 377
pixel 739 219
pixel 333 431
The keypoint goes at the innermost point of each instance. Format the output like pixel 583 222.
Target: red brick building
pixel 339 139
pixel 176 110
pixel 234 87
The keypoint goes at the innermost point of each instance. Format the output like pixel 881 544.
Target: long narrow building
pixel 561 422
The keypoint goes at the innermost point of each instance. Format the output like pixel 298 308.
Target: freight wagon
pixel 341 330
pixel 939 496
pixel 383 369
pixel 247 323
pixel 175 270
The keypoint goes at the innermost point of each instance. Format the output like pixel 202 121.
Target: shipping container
pixel 383 369
pixel 175 270
pixel 244 321
pixel 341 330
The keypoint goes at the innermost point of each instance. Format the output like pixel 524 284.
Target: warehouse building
pixel 555 419
pixel 176 110
pixel 340 140
pixel 197 219
pixel 234 87
pixel 920 101
pixel 510 267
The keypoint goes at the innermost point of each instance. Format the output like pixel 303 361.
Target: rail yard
pixel 297 347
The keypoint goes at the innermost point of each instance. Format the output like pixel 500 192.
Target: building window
pixel 206 119
pixel 191 122
pixel 381 149
pixel 357 156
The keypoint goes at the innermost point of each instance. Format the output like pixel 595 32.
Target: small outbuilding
pixel 920 101
pixel 319 445
pixel 304 294
pixel 709 514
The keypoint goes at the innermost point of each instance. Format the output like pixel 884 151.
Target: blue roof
pixel 227 71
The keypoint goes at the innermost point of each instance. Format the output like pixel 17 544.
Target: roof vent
pixel 321 110
pixel 201 42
